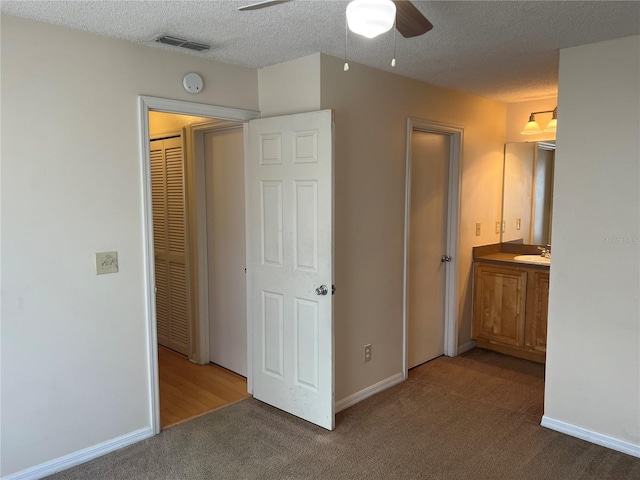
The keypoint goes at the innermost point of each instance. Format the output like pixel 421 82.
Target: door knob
pixel 445 258
pixel 322 290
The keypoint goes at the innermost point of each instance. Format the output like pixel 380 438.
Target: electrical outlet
pixel 497 227
pixel 106 262
pixel 518 221
pixel 367 353
pixel 504 226
pixel 478 229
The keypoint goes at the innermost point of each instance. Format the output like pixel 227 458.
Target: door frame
pixel 145 105
pixel 456 137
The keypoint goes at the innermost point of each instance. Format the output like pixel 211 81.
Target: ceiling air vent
pixel 182 43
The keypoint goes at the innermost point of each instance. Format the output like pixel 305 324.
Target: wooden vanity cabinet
pixel 510 309
pixel 539 310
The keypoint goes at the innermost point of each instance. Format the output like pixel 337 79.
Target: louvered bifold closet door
pixel 169 231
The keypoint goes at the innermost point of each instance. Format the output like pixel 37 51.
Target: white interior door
pixel 226 255
pixel 427 244
pixel 289 183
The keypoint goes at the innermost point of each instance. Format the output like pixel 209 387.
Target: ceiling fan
pixel 409 20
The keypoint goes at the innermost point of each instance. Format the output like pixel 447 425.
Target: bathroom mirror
pixel 527 192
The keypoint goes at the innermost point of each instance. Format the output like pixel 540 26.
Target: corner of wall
pixel 290 87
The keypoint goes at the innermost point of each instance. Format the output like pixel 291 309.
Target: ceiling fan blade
pixel 263 4
pixel 409 20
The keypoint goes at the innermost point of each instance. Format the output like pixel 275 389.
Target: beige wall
pixel 75 368
pixel 371 110
pixel 593 355
pixel 290 87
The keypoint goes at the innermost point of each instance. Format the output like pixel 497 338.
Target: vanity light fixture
pixel 371 18
pixel 532 127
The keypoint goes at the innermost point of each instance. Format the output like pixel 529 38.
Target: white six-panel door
pixel 289 181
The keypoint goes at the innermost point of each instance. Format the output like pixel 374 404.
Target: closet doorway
pixel 197 183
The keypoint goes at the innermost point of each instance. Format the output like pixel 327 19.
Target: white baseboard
pixel 591 436
pixel 367 392
pixel 466 347
pixel 81 456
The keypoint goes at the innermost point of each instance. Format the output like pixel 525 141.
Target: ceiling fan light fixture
pixel 371 18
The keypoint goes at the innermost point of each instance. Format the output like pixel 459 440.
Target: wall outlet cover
pixel 106 262
pixel 367 352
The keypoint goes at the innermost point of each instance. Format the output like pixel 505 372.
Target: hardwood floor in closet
pixel 188 390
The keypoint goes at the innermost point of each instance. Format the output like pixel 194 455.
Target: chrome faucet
pixel 545 251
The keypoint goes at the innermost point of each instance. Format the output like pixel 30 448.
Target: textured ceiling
pixel 506 51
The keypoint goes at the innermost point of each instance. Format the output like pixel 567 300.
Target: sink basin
pixel 537 259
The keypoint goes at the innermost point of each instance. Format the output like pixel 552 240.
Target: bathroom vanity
pixel 510 299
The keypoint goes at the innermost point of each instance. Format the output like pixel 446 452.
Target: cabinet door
pixel 539 311
pixel 499 304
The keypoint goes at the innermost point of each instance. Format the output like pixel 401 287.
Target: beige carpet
pixel 471 417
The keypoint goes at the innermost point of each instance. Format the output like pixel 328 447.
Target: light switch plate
pixel 106 262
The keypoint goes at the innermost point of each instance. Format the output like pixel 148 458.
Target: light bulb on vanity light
pixel 552 126
pixel 532 127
